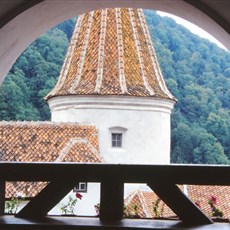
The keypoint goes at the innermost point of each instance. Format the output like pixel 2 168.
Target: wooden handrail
pixel 176 174
pixel 161 178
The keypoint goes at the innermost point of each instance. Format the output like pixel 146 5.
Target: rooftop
pixel 141 203
pixel 111 53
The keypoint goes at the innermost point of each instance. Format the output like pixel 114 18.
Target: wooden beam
pixel 112 200
pixel 91 223
pixel 62 180
pixel 176 174
pixel 40 205
pixel 2 198
pixel 180 204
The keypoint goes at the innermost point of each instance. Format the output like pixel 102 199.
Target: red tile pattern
pixel 89 73
pixel 134 80
pixel 148 66
pixel 110 82
pixel 202 194
pixel 71 77
pixel 134 208
pixel 145 200
pixel 85 84
pixel 24 189
pixel 198 194
pixel 46 142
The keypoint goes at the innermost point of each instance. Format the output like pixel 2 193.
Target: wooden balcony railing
pixel 161 178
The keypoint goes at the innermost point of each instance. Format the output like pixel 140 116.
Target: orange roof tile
pixel 141 202
pixel 133 206
pixel 111 53
pixel 46 142
pixel 202 194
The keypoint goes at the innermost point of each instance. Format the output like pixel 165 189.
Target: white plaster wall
pixel 85 206
pixel 145 123
pixel 147 120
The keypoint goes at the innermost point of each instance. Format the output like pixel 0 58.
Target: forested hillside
pixel 196 71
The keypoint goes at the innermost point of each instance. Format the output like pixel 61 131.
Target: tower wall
pixel 143 122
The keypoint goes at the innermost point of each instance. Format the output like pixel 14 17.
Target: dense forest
pixel 197 72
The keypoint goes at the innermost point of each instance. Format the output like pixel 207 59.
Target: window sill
pixel 114 149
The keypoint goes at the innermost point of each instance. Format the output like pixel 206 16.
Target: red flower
pixel 78 195
pixel 197 204
pixel 213 199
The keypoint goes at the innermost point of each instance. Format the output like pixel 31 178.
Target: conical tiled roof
pixel 111 53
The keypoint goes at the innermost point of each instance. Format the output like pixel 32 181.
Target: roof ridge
pixel 139 53
pixel 144 205
pixel 130 197
pixel 68 58
pixel 74 85
pixel 69 145
pixel 101 51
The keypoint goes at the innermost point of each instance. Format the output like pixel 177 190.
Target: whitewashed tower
pixel 111 77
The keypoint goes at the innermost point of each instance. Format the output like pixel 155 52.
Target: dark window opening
pixel 80 187
pixel 117 140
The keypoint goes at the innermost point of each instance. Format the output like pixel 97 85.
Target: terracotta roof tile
pixel 201 195
pixel 89 73
pixel 111 53
pixel 24 189
pixel 134 207
pixel 46 142
pixel 143 201
pixel 111 84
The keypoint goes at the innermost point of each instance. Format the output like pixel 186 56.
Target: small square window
pixel 80 187
pixel 117 140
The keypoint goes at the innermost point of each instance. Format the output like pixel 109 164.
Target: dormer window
pixel 117 140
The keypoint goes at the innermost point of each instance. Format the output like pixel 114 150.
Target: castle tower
pixel 111 77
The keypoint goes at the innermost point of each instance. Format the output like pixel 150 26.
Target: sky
pixel 193 28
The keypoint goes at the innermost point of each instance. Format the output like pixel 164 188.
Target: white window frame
pixel 118 130
pixel 116 140
pixel 80 187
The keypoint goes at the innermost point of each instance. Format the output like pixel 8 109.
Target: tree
pixel 14 101
pixel 219 127
pixel 182 145
pixel 209 151
pixel 40 64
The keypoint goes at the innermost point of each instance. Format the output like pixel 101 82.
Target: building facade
pixel 111 89
pixel 111 77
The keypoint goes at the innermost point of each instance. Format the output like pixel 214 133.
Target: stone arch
pixel 17 33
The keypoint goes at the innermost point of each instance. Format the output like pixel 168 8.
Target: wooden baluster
pixel 112 200
pixel 180 204
pixel 40 205
pixel 2 198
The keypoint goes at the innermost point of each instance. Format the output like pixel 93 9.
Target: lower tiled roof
pixel 202 194
pixel 140 203
pixel 23 189
pixel 46 142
